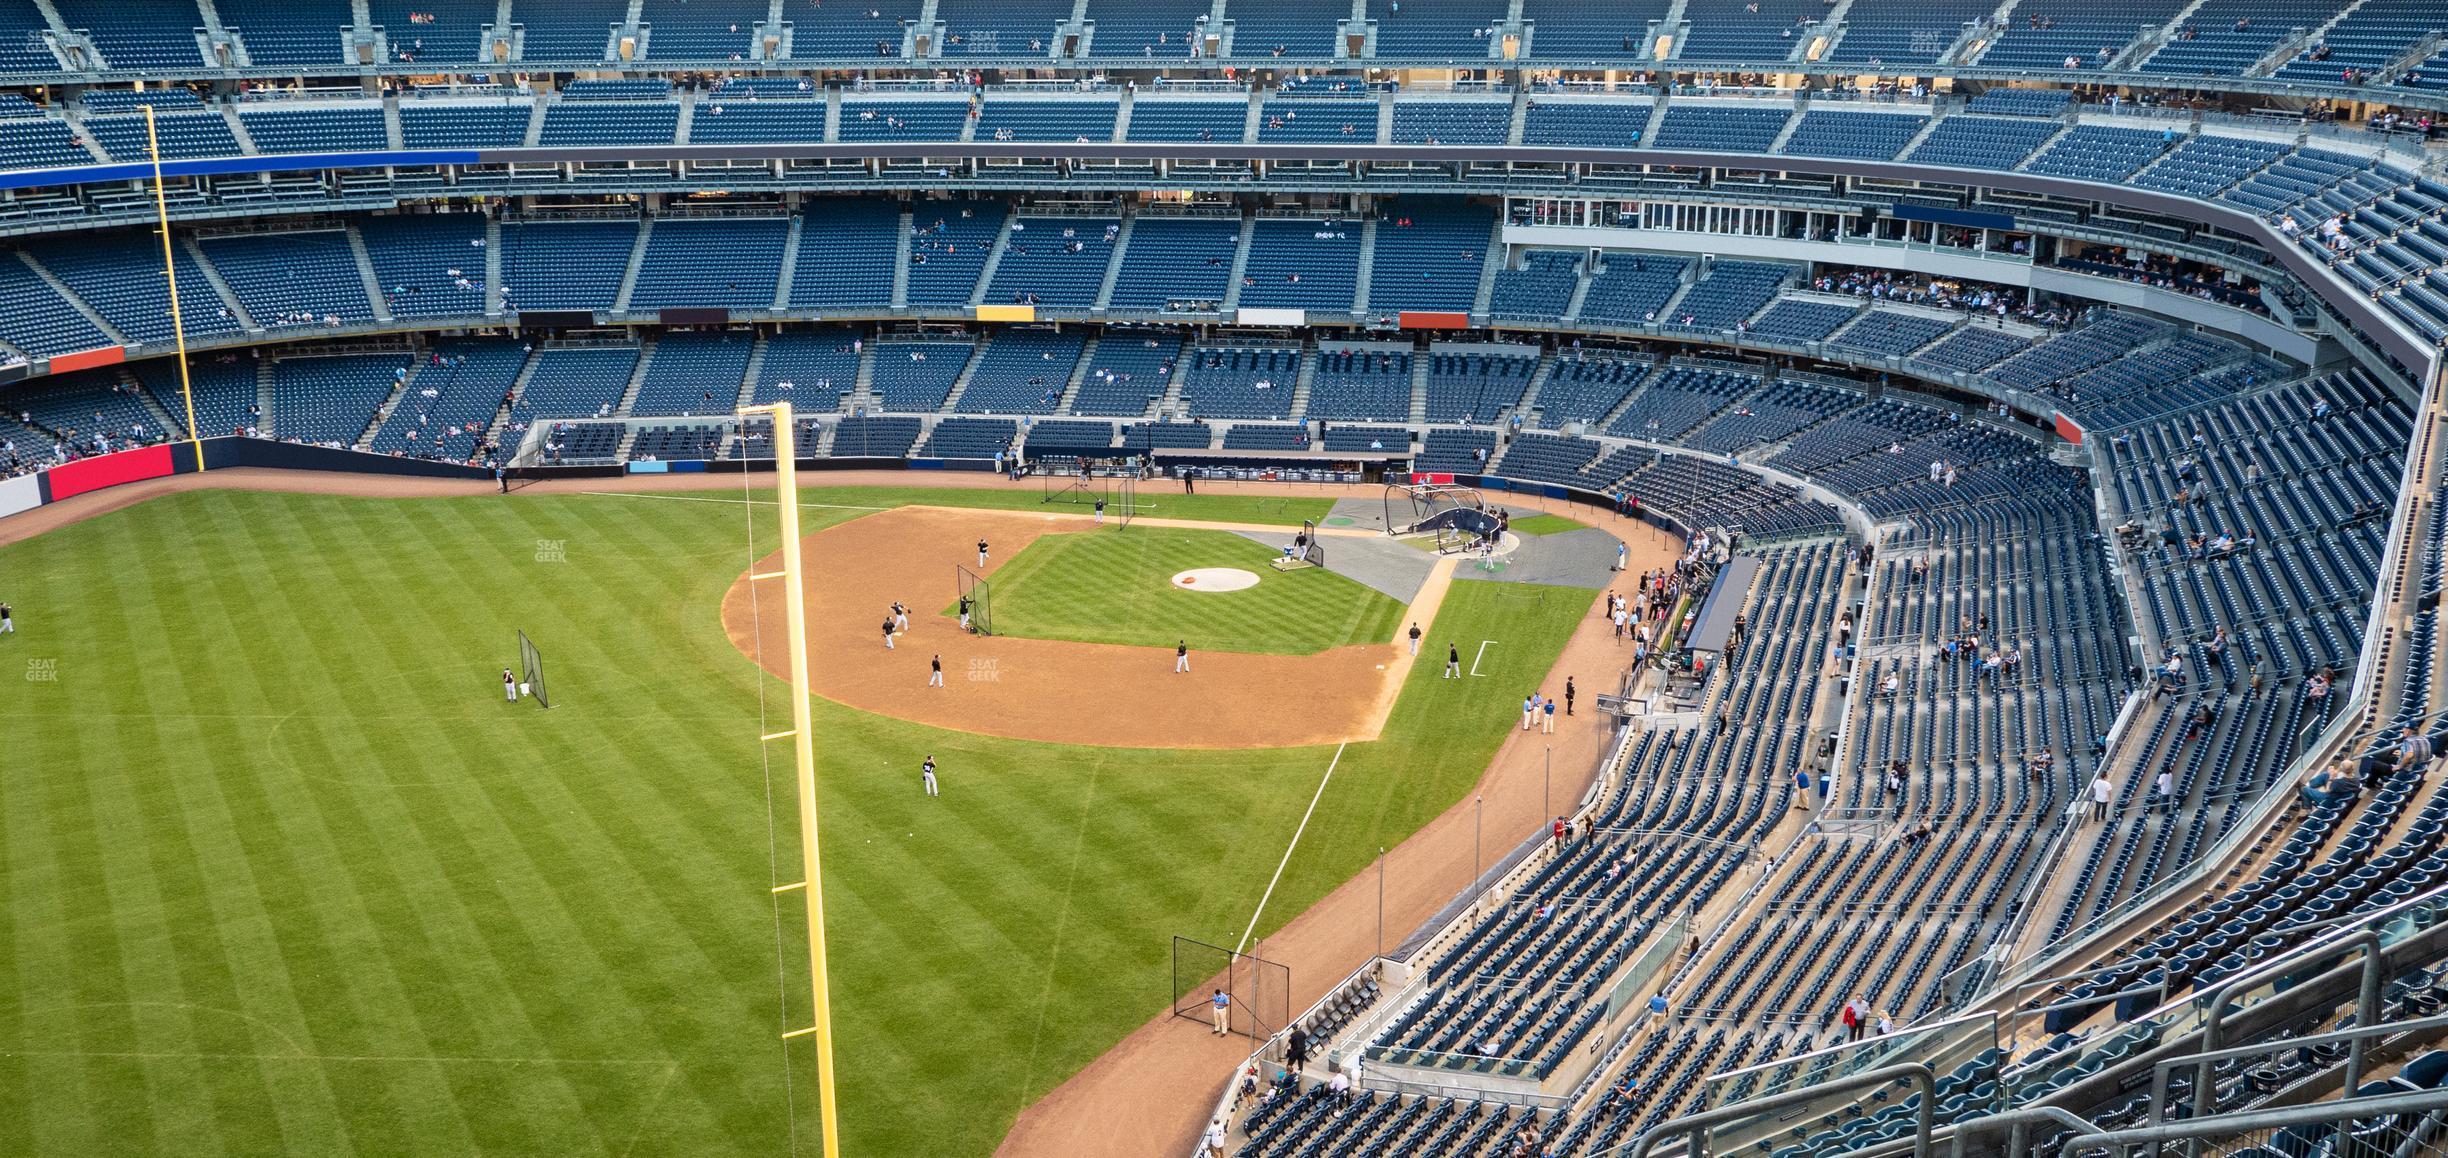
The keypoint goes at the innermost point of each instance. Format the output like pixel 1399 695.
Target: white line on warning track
pixel 1287 856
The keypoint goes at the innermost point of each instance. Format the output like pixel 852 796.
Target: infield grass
pixel 284 875
pixel 1116 586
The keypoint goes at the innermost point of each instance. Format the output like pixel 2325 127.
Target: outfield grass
pixel 284 874
pixel 1116 586
pixel 1546 525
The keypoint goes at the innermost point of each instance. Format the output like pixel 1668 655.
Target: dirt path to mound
pixel 1151 1094
pixel 1057 691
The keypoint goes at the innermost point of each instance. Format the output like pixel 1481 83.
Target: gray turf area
pixel 1378 563
pixel 1360 514
pixel 1583 558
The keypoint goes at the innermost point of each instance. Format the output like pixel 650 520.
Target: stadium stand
pixel 1315 120
pixel 693 373
pixel 1021 372
pixel 1430 254
pixel 331 401
pixel 1585 389
pixel 1054 261
pixel 1541 286
pixel 1721 128
pixel 811 369
pixel 435 124
pixel 576 382
pixel 1634 287
pixel 1472 387
pixel 451 399
pixel 1310 265
pixel 842 243
pixel 1970 142
pixel 609 122
pixel 948 248
pixel 860 32
pixel 429 265
pixel 1295 28
pixel 1609 125
pixel 138 36
pixel 916 377
pixel 1368 385
pixel 733 122
pixel 1147 29
pixel 704 30
pixel 671 274
pixel 1244 383
pixel 314 130
pixel 1452 122
pixel 564 265
pixel 1127 373
pixel 1176 263
pixel 1855 136
pixel 1562 29
pixel 1182 120
pixel 118 275
pixel 292 279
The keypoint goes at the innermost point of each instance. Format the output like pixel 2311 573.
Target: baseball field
pixel 286 875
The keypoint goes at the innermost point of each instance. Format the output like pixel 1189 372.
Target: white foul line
pixel 1287 856
pixel 1479 655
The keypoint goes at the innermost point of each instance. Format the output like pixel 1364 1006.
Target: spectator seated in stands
pixel 2331 785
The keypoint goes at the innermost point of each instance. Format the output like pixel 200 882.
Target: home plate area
pixel 1215 579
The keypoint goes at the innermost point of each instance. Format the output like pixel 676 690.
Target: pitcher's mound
pixel 1215 579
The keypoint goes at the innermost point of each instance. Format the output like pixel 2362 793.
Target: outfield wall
pixel 162 460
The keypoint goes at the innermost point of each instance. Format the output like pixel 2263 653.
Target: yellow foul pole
pixel 178 327
pixel 803 746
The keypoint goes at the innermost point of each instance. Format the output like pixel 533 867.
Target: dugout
pixel 1298 465
pixel 1713 627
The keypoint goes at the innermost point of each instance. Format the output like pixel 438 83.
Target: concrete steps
pixel 629 274
pixel 365 270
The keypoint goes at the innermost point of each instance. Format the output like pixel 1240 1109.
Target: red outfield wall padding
pixel 2067 430
pixel 110 470
pixel 1432 320
pixel 88 359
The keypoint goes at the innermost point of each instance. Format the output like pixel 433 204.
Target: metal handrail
pixel 1918 1074
pixel 2367 1005
pixel 2317 1113
pixel 2164 1070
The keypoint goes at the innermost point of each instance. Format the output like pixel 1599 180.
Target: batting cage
pixel 1070 487
pixel 976 600
pixel 531 669
pixel 1126 500
pixel 1260 991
